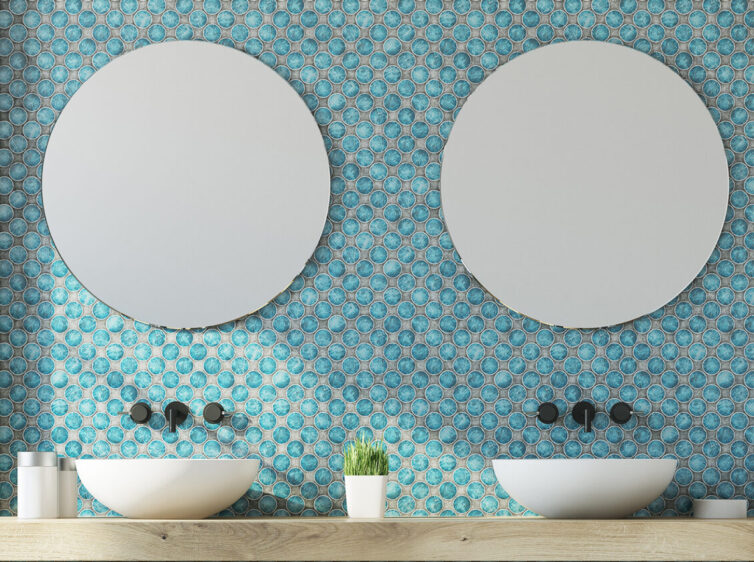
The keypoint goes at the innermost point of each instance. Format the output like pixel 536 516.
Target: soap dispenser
pixel 68 488
pixel 37 485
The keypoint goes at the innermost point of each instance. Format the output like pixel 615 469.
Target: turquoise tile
pixel 384 332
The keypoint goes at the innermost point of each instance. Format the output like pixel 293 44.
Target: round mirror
pixel 584 184
pixel 186 184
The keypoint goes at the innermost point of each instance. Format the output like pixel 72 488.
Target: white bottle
pixel 37 485
pixel 68 488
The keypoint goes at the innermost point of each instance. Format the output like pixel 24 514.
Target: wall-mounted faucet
pixel 584 412
pixel 176 413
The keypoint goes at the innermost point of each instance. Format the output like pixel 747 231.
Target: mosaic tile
pixel 384 331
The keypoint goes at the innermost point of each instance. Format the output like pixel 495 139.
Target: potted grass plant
pixel 365 469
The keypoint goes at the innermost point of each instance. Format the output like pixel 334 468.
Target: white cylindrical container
pixel 365 496
pixel 68 488
pixel 37 485
pixel 720 509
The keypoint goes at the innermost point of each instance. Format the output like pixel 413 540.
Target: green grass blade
pixel 364 457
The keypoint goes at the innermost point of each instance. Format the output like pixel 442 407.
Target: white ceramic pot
pixel 365 496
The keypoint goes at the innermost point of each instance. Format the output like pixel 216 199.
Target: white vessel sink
pixel 167 488
pixel 584 488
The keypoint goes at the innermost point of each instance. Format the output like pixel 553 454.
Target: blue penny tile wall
pixel 384 331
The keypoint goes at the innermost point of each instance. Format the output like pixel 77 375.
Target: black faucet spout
pixel 176 413
pixel 583 413
pixel 171 421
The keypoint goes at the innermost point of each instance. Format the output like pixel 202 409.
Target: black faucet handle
pixel 140 412
pixel 584 412
pixel 547 412
pixel 621 412
pixel 214 412
pixel 176 413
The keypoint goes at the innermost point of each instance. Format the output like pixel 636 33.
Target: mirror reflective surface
pixel 186 184
pixel 584 184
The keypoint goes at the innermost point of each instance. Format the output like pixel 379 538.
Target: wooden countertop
pixel 331 538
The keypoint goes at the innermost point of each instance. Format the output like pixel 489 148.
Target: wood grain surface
pixel 330 538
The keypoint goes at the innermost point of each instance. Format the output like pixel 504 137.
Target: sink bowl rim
pixel 169 459
pixel 592 460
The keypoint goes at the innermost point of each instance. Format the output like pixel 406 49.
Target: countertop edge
pixel 341 538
